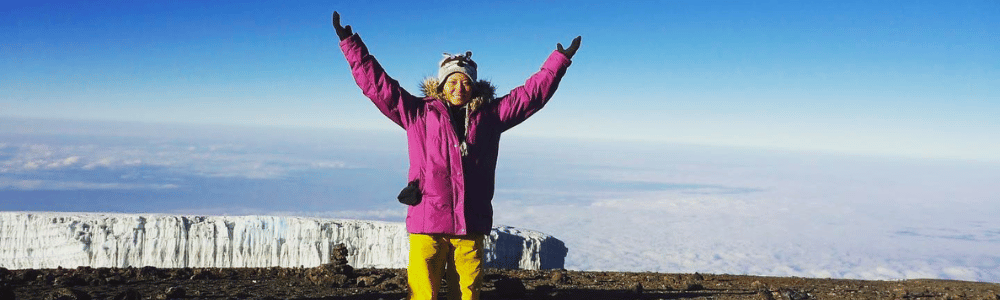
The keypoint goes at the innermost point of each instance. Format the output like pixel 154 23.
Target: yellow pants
pixel 458 256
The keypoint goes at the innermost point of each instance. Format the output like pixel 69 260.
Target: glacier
pixel 55 239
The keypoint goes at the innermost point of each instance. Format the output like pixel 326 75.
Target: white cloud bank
pixel 675 232
pixel 776 214
pixel 35 160
pixel 52 185
pixel 634 207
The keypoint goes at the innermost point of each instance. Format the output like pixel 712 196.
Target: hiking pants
pixel 459 257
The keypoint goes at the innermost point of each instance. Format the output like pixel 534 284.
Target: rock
pixel 693 283
pixel 147 272
pixel 560 277
pixel 180 273
pixel 366 281
pixel 763 295
pixel 545 291
pixel 339 254
pixel 7 293
pixel 68 281
pixel 198 275
pixel 636 289
pixel 900 292
pixel 29 275
pixel 95 281
pixel 330 280
pixel 337 273
pixel 508 287
pixel 796 295
pixel 333 268
pixel 388 286
pixel 329 275
pixel 392 283
pixel 176 292
pixel 129 294
pixel 338 280
pixel 67 294
pixel 114 279
pixel 693 286
pixel 758 286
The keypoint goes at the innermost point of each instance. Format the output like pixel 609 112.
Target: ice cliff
pixel 49 240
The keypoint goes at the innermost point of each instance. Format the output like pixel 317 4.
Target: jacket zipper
pixel 462 145
pixel 461 161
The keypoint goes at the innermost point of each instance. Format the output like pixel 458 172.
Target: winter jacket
pixel 456 177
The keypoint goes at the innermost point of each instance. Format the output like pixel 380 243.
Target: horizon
pixel 617 207
pixel 19 125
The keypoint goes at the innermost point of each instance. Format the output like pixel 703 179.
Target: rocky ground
pixel 340 281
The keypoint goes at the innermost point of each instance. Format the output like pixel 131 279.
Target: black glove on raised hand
pixel 410 195
pixel 572 48
pixel 342 32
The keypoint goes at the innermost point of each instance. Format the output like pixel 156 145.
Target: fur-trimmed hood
pixel 483 92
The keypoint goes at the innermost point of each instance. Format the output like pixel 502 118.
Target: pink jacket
pixel 457 190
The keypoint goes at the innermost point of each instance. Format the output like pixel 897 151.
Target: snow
pixel 49 240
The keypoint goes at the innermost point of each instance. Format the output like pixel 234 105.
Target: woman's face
pixel 457 89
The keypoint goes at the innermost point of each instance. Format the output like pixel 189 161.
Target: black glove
pixel 342 32
pixel 572 48
pixel 410 195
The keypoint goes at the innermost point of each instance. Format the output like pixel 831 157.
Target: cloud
pixel 52 185
pixel 69 161
pixel 208 160
pixel 381 214
pixel 677 232
pixel 328 165
pixel 394 215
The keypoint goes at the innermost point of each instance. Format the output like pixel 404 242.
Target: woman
pixel 453 134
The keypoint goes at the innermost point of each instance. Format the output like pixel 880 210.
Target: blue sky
pixel 897 78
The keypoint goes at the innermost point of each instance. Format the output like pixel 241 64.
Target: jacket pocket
pixel 437 189
pixel 437 203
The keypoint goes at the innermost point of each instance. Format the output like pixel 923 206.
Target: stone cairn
pixel 336 273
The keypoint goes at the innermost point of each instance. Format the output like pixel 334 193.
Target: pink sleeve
pixel 392 100
pixel 525 100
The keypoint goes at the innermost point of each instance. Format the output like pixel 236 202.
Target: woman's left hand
pixel 569 52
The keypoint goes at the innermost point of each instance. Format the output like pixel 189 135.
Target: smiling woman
pixel 457 89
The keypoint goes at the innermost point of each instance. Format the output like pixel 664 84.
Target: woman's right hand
pixel 342 32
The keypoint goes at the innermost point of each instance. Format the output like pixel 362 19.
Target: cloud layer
pixel 644 207
pixel 32 159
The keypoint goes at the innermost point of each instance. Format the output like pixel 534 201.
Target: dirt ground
pixel 342 282
pixel 338 280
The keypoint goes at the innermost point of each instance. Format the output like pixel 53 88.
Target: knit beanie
pixel 452 63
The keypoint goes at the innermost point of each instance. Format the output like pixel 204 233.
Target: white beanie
pixel 457 63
